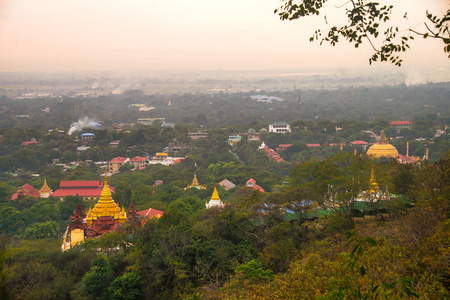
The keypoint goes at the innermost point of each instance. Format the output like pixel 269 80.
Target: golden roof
pixel 195 184
pixel 45 188
pixel 382 148
pixel 106 206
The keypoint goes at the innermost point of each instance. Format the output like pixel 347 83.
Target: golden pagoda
pixel 373 184
pixel 215 200
pixel 382 148
pixel 195 184
pixel 106 207
pixel 373 193
pixel 45 191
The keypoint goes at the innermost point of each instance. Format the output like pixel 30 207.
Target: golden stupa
pixel 215 200
pixel 382 148
pixel 106 207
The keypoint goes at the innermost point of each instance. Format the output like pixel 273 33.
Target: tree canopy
pixel 370 22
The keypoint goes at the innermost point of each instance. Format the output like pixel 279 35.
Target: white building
pixel 280 127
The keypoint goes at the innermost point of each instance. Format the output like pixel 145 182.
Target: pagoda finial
pixel 382 139
pixel 373 185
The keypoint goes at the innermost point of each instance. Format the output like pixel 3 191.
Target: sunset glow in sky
pixel 86 35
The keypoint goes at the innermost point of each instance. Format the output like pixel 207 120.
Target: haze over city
pixel 124 36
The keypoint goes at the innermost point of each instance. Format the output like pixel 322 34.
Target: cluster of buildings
pixel 140 162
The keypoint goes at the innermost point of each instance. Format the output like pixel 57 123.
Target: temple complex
pixel 407 159
pixel 106 216
pixel 29 190
pixel 382 148
pixel 215 200
pixel 195 184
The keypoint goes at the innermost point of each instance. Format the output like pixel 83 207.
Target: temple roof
pixel 45 188
pixel 195 184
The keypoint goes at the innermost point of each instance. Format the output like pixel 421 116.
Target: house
pixel 175 147
pixel 251 183
pixel 150 121
pixel 87 189
pixel 233 140
pixel 29 143
pixel 311 146
pixel 359 142
pixel 271 153
pixel 401 124
pixel 226 184
pixel 87 137
pixel 150 213
pixel 265 98
pixel 138 162
pixel 158 182
pixel 114 144
pixel 280 127
pixel 282 147
pixel 26 190
pixel 81 149
pixel 115 163
pixel 198 135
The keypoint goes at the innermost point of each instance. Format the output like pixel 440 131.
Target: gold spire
pixel 215 195
pixel 106 205
pixel 373 185
pixel 195 180
pixel 45 191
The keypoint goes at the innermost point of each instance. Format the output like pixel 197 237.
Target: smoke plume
pixel 82 123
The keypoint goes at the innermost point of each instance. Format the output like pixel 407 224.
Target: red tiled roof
pixel 176 161
pixel 333 144
pixel 253 185
pixel 138 158
pixel 118 159
pixel 400 123
pixel 27 190
pixel 359 143
pixel 85 188
pixel 26 143
pixel 81 183
pixel 284 145
pixel 151 212
pixel 313 145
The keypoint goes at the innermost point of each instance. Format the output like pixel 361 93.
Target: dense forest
pixel 300 239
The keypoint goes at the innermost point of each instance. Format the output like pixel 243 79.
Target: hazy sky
pixel 88 35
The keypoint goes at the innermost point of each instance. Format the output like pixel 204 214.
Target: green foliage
pixel 251 273
pixel 128 286
pixel 49 229
pixel 96 281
